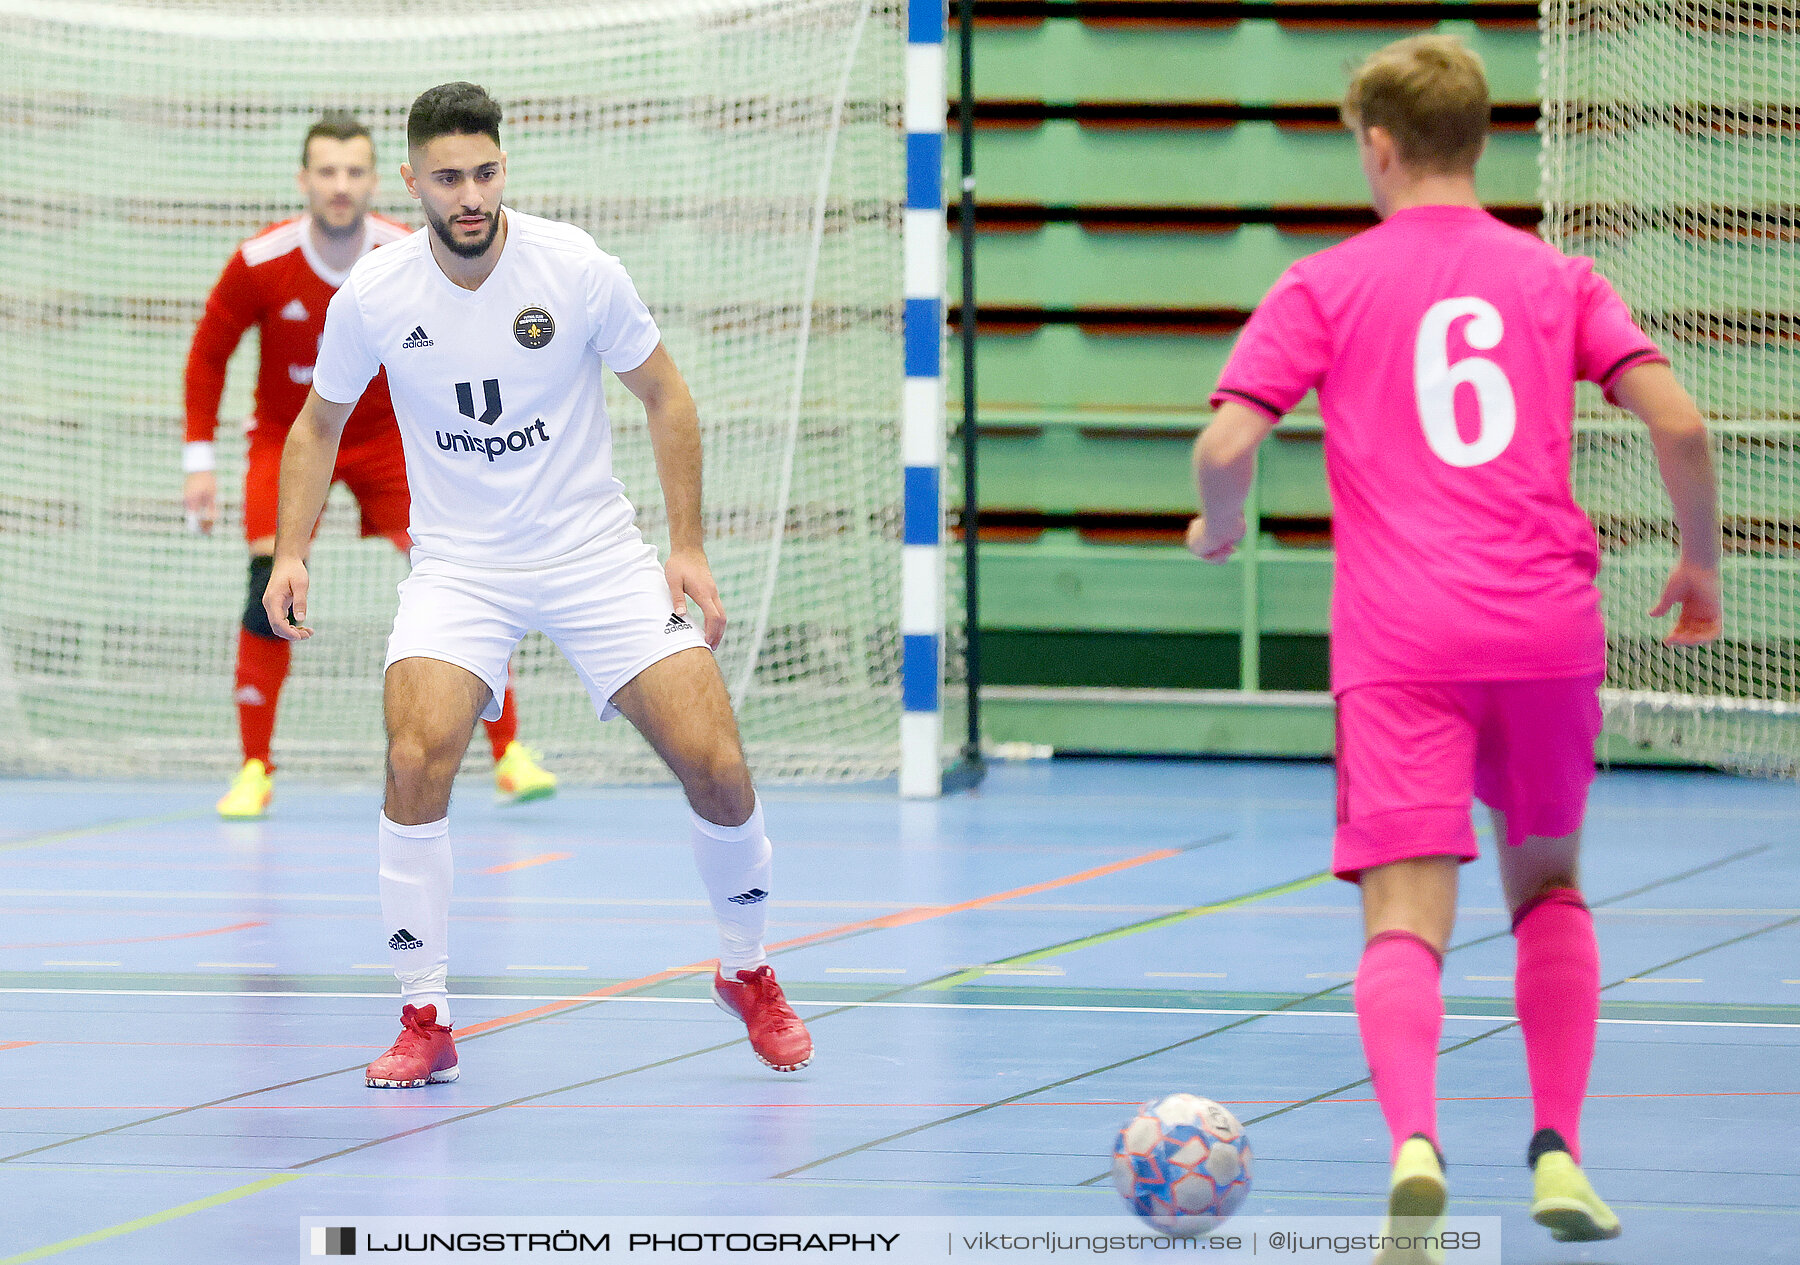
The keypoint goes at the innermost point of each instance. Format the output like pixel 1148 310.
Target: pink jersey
pixel 1445 348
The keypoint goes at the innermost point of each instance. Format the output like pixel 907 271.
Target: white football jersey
pixel 498 391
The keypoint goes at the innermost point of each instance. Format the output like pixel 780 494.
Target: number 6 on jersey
pixel 1435 381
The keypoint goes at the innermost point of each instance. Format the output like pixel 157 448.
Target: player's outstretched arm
pixel 1224 465
pixel 675 438
pixel 1684 455
pixel 307 460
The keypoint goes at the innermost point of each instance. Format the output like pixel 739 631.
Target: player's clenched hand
pixel 1696 590
pixel 1214 542
pixel 689 575
pixel 200 498
pixel 287 593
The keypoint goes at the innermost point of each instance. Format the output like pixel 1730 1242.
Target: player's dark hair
pixel 334 125
pixel 1430 92
pixel 452 109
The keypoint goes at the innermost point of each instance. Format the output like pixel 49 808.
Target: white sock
pixel 415 910
pixel 734 864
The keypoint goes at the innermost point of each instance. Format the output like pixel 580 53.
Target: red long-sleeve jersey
pixel 277 282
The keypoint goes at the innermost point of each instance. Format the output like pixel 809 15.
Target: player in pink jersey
pixel 1467 647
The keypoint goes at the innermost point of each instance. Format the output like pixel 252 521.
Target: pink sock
pixel 1557 987
pixel 1400 1011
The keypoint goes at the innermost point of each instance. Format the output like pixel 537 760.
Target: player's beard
pixel 353 229
pixel 468 250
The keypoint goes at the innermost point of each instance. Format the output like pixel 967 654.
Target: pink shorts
pixel 1412 755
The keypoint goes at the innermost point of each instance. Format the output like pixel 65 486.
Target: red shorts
pixel 374 471
pixel 1412 755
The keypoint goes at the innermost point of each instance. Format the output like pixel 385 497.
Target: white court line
pixel 826 1004
pixel 241 966
pixel 657 902
pixel 1183 974
pixel 1661 979
pixel 865 970
pixel 62 962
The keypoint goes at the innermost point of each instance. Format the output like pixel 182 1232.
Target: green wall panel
pixel 1067 265
pixel 1254 61
pixel 1062 163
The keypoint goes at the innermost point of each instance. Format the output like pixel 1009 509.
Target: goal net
pixel 742 157
pixel 1672 156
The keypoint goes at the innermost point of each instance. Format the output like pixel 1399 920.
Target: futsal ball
pixel 1182 1164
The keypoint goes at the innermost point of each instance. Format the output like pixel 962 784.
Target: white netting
pixel 744 159
pixel 1672 155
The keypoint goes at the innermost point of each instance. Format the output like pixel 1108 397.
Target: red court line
pixel 904 918
pixel 857 1106
pixel 528 862
pixel 218 1045
pixel 1294 1102
pixel 802 1106
pixel 179 935
pixel 15 1045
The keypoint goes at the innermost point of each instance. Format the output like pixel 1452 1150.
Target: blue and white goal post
pixel 922 421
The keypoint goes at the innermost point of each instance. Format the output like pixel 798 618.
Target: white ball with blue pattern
pixel 1182 1164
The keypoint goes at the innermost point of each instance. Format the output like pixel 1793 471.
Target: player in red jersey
pixel 1467 646
pixel 282 281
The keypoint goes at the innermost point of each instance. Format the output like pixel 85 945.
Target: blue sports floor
pixel 993 981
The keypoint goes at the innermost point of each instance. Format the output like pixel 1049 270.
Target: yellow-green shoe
pixel 1563 1201
pixel 250 793
pixel 519 777
pixel 1417 1196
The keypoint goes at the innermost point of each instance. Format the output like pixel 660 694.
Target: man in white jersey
pixel 494 328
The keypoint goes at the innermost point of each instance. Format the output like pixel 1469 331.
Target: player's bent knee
pixel 1549 885
pixel 720 788
pixel 727 773
pixel 256 619
pixel 417 764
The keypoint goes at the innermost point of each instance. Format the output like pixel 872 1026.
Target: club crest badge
pixel 533 328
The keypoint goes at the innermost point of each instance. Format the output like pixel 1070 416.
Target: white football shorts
pixel 607 609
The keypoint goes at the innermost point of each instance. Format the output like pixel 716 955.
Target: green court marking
pixel 105 827
pixel 1131 929
pixel 155 1218
pixel 975 989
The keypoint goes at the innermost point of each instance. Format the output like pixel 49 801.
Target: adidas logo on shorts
pixel 404 939
pixel 418 338
pixel 750 897
pixel 677 623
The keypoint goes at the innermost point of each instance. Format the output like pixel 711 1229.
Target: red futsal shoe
pixel 776 1033
pixel 425 1054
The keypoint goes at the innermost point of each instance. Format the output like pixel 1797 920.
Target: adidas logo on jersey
pixel 404 939
pixel 418 338
pixel 750 897
pixel 677 623
pixel 294 311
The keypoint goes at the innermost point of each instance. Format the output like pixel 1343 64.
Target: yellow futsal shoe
pixel 519 777
pixel 1563 1201
pixel 250 793
pixel 1417 1196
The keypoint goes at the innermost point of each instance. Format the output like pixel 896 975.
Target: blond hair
pixel 1430 93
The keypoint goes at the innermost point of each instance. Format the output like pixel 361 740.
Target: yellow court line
pixel 155 1218
pixel 100 828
